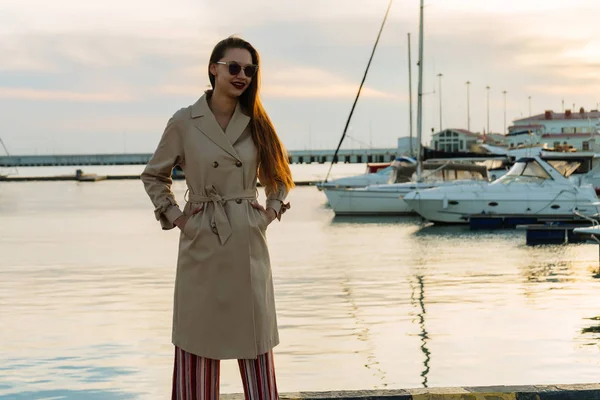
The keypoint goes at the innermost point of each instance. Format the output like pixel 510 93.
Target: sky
pixel 104 77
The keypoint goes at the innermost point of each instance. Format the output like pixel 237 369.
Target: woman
pixel 224 306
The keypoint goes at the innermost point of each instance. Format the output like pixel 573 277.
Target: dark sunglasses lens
pixel 250 70
pixel 234 69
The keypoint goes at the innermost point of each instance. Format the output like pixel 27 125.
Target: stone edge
pixel 589 391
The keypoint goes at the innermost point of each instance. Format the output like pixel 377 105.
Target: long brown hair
pixel 273 165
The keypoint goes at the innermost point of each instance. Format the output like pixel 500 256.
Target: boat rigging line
pixel 359 90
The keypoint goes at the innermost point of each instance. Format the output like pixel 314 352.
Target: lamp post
pixel 488 108
pixel 440 79
pixel 410 107
pixel 468 106
pixel 530 106
pixel 504 93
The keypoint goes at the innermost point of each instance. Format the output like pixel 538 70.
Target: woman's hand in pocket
pixel 181 221
pixel 269 212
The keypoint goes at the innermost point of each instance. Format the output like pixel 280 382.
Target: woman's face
pixel 233 73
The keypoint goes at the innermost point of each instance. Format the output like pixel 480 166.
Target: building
pixel 455 140
pixel 404 145
pixel 579 130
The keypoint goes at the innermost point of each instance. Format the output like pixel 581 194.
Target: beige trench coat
pixel 224 306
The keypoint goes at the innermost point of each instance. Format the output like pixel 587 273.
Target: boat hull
pixel 367 202
pixel 455 206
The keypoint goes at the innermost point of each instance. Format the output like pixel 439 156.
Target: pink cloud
pixel 63 95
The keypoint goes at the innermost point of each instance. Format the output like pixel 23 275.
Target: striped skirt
pixel 197 378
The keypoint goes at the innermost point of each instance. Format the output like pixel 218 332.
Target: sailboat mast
pixel 334 159
pixel 410 109
pixel 420 96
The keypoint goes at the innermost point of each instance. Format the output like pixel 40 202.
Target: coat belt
pixel 220 221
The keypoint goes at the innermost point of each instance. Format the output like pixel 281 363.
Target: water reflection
pixel 363 334
pixel 374 220
pixel 592 332
pixel 67 394
pixel 558 271
pixel 461 231
pixel 423 333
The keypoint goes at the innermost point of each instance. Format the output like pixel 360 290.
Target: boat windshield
pixel 450 174
pixel 565 168
pixel 385 171
pixel 529 171
pixel 492 164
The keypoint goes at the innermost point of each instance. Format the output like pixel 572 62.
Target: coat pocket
pixel 264 220
pixel 193 224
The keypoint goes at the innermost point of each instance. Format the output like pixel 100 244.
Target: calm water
pixel 86 280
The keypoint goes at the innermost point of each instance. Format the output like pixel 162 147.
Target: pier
pixel 295 157
pixel 530 392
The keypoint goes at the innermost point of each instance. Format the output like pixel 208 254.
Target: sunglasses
pixel 235 68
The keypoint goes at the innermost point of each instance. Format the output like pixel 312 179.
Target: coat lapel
pixel 237 125
pixel 205 122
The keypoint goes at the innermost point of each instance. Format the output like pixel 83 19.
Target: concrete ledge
pixel 549 392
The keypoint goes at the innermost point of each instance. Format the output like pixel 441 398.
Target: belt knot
pixel 219 223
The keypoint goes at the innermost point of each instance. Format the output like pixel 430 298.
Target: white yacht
pixel 376 173
pixel 387 199
pixel 532 187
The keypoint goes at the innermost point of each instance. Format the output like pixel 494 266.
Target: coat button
pixel 238 164
pixel 239 201
pixel 215 164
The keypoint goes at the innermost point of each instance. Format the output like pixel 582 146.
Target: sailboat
pixel 325 183
pixel 387 199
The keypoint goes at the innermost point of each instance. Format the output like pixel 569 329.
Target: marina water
pixel 86 285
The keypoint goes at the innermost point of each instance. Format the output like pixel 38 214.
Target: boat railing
pixel 590 218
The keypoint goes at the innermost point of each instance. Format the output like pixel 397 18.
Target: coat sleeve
pixel 275 199
pixel 156 176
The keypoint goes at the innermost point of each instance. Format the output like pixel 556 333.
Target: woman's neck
pixel 222 105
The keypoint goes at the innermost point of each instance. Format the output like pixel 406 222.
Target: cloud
pixel 284 81
pixel 189 89
pixel 322 92
pixel 61 95
pixel 564 90
pixel 287 81
pixel 149 59
pixel 178 18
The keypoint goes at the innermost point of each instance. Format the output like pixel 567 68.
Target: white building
pixel 579 130
pixel 404 145
pixel 455 140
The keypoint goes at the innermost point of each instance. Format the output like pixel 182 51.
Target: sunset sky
pixel 102 77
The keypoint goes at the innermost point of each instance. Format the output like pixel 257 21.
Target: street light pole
pixel 468 107
pixel 488 108
pixel 410 103
pixel 504 93
pixel 530 106
pixel 440 78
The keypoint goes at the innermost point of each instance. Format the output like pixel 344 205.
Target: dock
pixel 357 156
pixel 529 392
pixel 97 178
pixel 501 221
pixel 557 233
